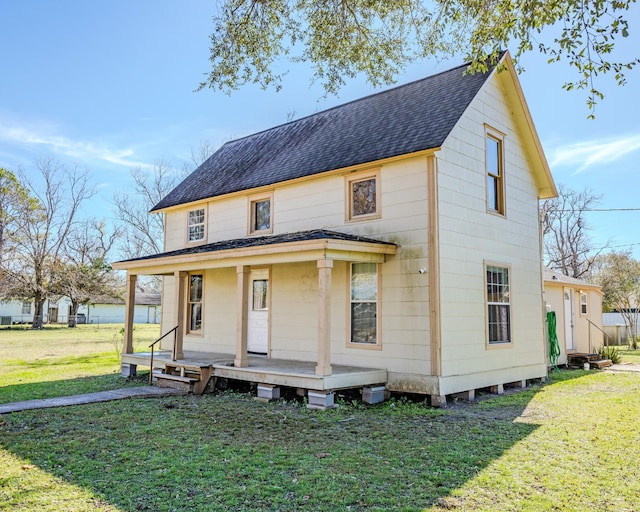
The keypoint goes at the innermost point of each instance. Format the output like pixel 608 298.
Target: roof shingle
pixel 410 118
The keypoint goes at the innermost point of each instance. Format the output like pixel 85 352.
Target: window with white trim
pixel 583 304
pixel 196 225
pixel 194 303
pixel 364 303
pixel 26 308
pixel 498 305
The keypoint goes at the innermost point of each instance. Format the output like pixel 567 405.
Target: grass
pixel 58 361
pixel 570 444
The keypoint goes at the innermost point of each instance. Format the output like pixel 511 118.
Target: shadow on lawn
pixel 227 451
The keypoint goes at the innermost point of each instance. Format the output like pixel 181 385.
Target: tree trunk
pixel 73 314
pixel 38 313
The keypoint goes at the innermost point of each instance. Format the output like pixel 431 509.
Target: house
pixel 391 242
pixel 106 310
pixel 109 310
pixel 577 305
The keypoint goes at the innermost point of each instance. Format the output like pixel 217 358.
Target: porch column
pixel 242 314
pixel 130 304
pixel 180 279
pixel 324 317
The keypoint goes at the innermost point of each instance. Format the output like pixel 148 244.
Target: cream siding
pixel 470 237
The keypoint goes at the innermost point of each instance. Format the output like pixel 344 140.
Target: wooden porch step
pixel 600 364
pixel 192 377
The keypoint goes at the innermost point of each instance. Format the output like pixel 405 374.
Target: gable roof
pixel 407 119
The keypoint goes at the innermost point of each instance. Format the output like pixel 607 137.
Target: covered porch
pixel 318 246
pixel 262 370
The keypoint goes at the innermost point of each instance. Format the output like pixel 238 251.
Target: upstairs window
pixel 195 227
pixel 363 196
pixel 498 305
pixel 260 214
pixel 495 173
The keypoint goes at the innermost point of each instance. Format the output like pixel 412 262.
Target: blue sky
pixel 109 85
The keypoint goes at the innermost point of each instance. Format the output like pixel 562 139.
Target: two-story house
pixel 392 241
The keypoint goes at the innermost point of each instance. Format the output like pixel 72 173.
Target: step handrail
pixel 607 337
pixel 152 347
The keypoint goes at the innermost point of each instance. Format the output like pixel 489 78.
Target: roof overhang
pixel 541 171
pixel 261 254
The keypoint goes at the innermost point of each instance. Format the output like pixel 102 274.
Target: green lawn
pixel 570 444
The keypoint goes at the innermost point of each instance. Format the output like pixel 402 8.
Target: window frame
pixel 203 224
pixel 251 217
pixel 349 327
pixel 496 175
pixel 489 303
pixel 189 306
pixel 584 304
pixel 357 177
pixel 26 307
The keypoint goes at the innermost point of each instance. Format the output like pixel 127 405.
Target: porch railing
pixel 153 345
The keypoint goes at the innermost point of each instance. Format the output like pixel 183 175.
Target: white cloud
pixel 582 155
pixel 84 151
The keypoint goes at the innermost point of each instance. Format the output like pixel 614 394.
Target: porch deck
pixel 277 372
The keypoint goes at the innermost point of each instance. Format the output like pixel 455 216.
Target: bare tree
pixel 618 273
pixel 44 225
pixel 144 231
pixel 85 275
pixel 567 246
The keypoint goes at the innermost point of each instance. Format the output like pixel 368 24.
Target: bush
pixel 610 353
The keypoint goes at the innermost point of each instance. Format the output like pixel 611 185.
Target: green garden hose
pixel 554 347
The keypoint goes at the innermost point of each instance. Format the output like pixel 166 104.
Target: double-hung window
pixel 194 305
pixel 583 304
pixel 494 161
pixel 196 225
pixel 498 305
pixel 364 303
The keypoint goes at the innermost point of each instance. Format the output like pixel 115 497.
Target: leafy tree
pixel 378 38
pixel 567 246
pixel 44 223
pixel 618 273
pixel 14 201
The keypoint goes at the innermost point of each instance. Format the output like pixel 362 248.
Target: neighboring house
pixel 19 312
pixel 393 240
pixel 578 309
pixel 112 311
pixel 106 311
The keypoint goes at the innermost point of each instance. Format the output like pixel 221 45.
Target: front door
pixel 568 319
pixel 258 317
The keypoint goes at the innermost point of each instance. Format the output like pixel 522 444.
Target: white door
pixel 568 319
pixel 258 317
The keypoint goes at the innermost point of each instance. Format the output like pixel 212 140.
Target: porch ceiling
pixel 273 249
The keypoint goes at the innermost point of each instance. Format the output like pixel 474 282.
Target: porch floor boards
pixel 278 372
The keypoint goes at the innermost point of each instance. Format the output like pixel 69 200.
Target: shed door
pixel 258 317
pixel 568 319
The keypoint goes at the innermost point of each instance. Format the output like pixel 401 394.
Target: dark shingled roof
pixel 241 243
pixel 410 118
